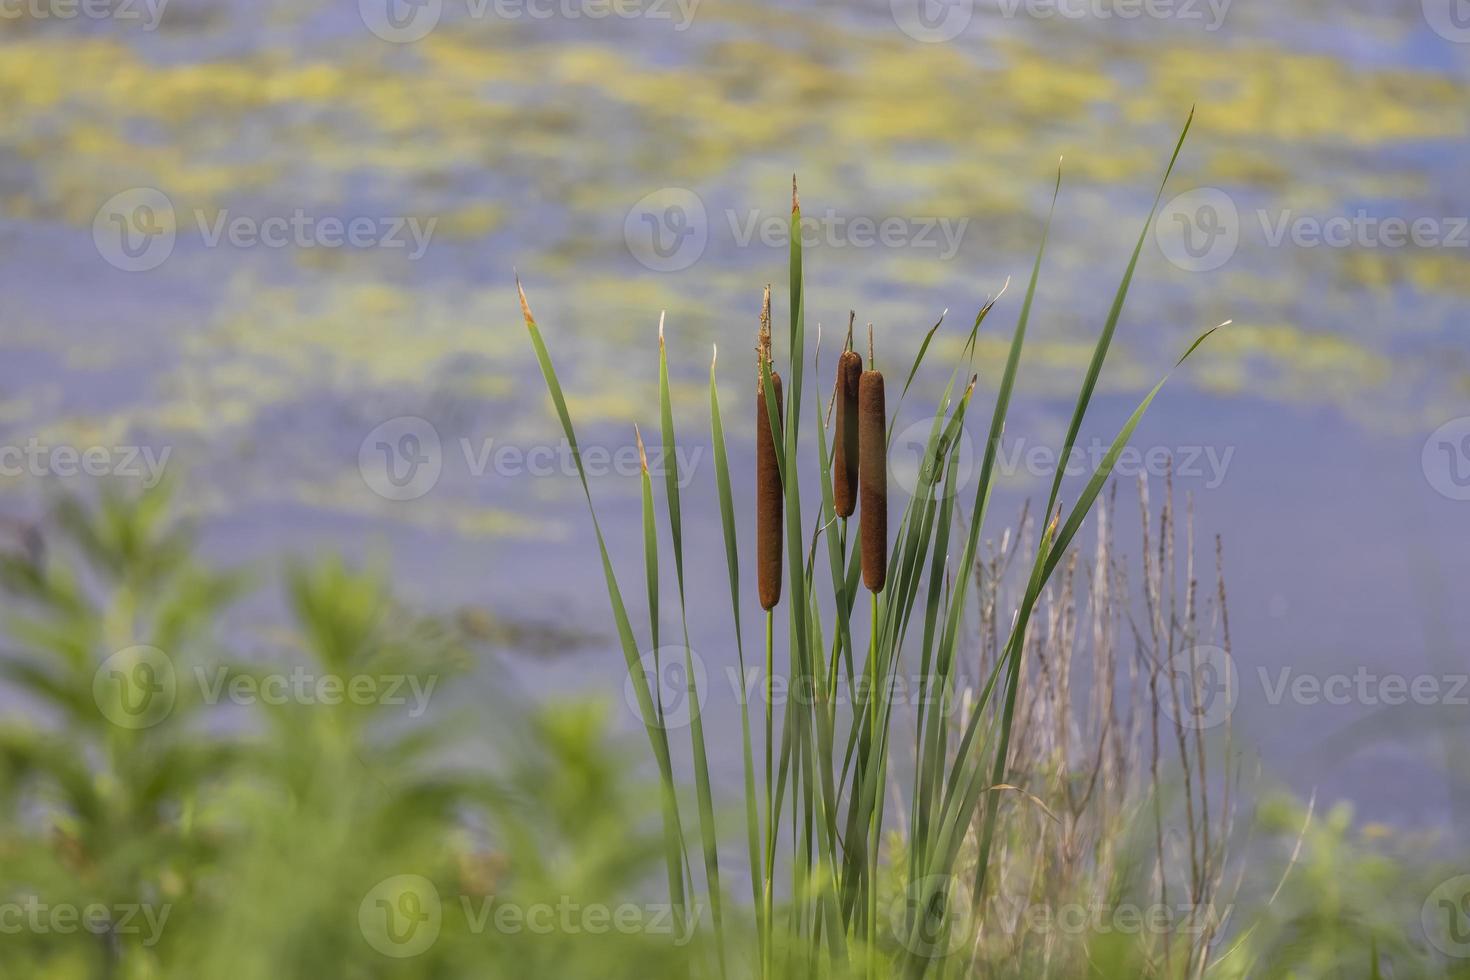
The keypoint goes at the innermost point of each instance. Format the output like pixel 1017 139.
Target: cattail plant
pixel 873 473
pixel 767 470
pixel 768 531
pixel 830 766
pixel 845 451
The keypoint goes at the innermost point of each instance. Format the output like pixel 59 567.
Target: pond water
pixel 257 236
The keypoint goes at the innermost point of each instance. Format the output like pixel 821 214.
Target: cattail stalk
pixel 768 488
pixel 873 477
pixel 768 513
pixel 845 440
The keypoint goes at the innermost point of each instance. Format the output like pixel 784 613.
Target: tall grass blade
pixel 650 564
pixel 732 562
pixel 1100 351
pixel 1084 398
pixel 709 835
pixel 658 738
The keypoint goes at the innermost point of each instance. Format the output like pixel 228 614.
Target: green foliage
pixel 110 798
pixel 314 839
pixel 1351 905
pixel 149 830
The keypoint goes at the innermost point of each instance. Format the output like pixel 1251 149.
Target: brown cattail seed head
pixel 873 479
pixel 768 499
pixel 845 451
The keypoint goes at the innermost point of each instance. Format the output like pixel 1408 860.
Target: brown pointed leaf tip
pixel 795 200
pixel 768 499
pixel 845 442
pixel 873 480
pixel 525 307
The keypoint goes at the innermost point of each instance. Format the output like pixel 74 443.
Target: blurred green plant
pixel 108 786
pixel 1355 903
pixel 148 830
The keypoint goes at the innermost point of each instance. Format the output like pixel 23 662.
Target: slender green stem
pixel 877 799
pixel 795 917
pixel 768 958
pixel 837 633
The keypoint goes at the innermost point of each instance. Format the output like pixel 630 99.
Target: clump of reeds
pixel 1090 824
pixel 828 762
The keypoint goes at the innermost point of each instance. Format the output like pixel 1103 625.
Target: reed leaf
pixel 658 738
pixel 708 832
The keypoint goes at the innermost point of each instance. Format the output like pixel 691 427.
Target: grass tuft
pixel 815 848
